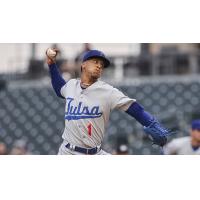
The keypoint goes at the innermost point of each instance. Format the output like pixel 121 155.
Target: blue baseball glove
pixel 157 133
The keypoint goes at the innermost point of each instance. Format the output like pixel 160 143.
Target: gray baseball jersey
pixel 87 111
pixel 181 146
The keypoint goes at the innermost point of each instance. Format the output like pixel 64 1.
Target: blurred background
pixel 164 78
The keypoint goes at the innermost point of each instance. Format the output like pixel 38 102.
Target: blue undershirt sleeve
pixel 137 111
pixel 56 79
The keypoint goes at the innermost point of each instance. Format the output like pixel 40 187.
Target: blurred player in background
pixel 186 145
pixel 78 58
pixel 19 148
pixel 122 149
pixel 89 103
pixel 121 145
pixel 3 149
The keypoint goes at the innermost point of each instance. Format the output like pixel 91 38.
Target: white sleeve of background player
pixel 119 100
pixel 172 147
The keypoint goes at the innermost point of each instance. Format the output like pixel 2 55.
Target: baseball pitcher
pixel 89 103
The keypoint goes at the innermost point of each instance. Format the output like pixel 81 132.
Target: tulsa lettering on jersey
pixel 80 111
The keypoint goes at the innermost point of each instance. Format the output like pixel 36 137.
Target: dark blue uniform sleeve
pixel 56 79
pixel 138 112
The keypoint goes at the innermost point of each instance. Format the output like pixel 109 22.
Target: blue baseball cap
pixel 196 124
pixel 96 54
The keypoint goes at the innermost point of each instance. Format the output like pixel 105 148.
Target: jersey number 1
pixel 90 129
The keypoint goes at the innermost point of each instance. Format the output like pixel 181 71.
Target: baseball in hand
pixel 51 53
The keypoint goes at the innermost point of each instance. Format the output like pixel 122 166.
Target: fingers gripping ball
pixel 51 53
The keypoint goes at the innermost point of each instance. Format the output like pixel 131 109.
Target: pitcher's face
pixel 93 67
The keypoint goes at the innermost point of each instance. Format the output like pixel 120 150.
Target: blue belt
pixel 90 151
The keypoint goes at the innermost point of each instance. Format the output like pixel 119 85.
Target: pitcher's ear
pixel 83 65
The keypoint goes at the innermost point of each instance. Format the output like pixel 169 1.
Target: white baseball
pixel 51 53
